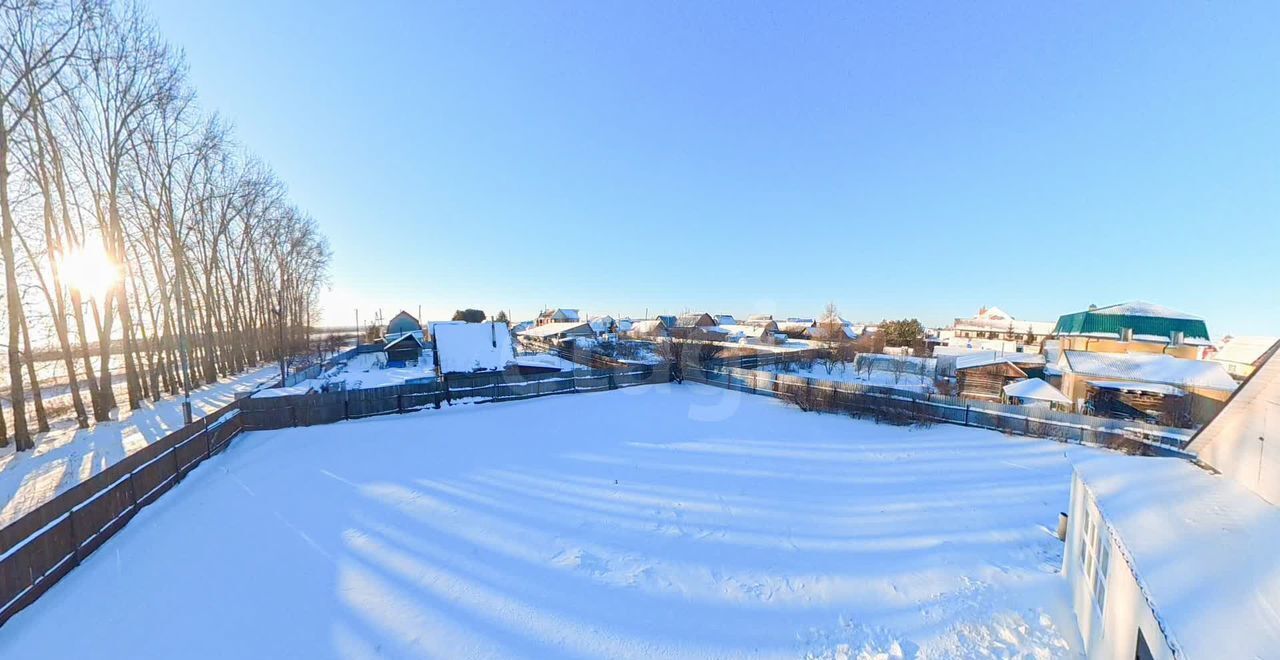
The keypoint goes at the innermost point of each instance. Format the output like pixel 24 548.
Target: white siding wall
pixel 1113 634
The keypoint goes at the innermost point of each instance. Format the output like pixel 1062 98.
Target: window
pixel 1144 650
pixel 1095 556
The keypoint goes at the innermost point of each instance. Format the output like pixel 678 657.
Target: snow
pixel 846 372
pixel 1244 350
pixel 1143 308
pixel 66 455
pixel 689 522
pixel 986 358
pixel 469 347
pixel 1151 368
pixel 1034 388
pixel 546 360
pixel 553 329
pixel 1203 548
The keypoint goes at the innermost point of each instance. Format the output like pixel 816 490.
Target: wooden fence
pixel 905 405
pixel 42 546
pixel 37 549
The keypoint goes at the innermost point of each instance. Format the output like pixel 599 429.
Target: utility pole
pixel 182 350
pixel 283 372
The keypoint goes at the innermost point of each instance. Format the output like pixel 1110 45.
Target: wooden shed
pixel 987 381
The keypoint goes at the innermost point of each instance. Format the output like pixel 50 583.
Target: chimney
pixel 1126 334
pixel 1176 337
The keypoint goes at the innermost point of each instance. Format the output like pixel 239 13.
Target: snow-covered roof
pixel 1034 388
pixel 647 326
pixel 794 326
pixel 725 319
pixel 987 358
pixel 469 347
pixel 601 323
pixel 1151 368
pixel 691 319
pixel 759 318
pixel 1244 350
pixel 560 312
pixel 553 329
pixel 1205 558
pixel 404 338
pixel 743 330
pixel 1143 308
pixel 1134 386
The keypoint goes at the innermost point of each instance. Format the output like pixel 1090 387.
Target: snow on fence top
pixel 1204 557
pixel 471 347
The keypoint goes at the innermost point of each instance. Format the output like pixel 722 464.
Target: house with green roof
pixel 1134 327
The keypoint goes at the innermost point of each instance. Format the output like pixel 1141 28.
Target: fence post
pixel 399 402
pixel 966 414
pixel 346 404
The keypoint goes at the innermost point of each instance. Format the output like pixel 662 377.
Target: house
pixel 725 319
pixel 698 326
pixel 1134 327
pixel 758 319
pixel 1166 560
pixel 648 328
pixel 603 325
pixel 766 334
pixel 669 320
pixel 984 376
pixel 623 325
pixel 462 348
pixel 993 323
pixel 401 324
pixel 560 331
pixel 404 350
pixel 1241 355
pixel 796 328
pixel 558 315
pixel 1205 384
pixel 1035 392
pixel 1243 441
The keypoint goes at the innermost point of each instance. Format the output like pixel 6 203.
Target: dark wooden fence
pixel 907 406
pixel 39 548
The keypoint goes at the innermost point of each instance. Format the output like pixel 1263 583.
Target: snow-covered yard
pixel 659 521
pixel 847 372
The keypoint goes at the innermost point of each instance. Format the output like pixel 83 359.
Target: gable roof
pixel 553 329
pixel 401 323
pixel 1034 388
pixel 987 358
pixel 470 347
pixel 693 319
pixel 566 314
pixel 402 339
pixel 1150 368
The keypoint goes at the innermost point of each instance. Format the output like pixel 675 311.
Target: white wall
pixel 1243 441
pixel 1114 633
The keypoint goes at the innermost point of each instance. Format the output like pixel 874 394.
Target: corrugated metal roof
pixel 1140 317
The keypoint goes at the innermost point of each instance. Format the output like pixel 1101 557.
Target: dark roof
pixel 691 320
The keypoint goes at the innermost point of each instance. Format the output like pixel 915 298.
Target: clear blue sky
pixel 900 159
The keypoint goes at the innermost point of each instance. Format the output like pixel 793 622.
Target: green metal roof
pixel 1141 318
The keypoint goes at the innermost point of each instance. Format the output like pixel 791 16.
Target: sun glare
pixel 89 270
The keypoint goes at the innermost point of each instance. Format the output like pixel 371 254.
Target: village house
pixel 1130 551
pixel 404 350
pixel 1142 385
pixel 725 319
pixel 648 329
pixel 1133 327
pixel 401 324
pixel 757 319
pixel 994 324
pixel 765 334
pixel 696 326
pixel 983 376
pixel 1241 355
pixel 557 315
pixel 603 325
pixel 554 332
pixel 796 328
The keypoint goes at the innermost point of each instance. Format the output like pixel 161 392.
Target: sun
pixel 89 270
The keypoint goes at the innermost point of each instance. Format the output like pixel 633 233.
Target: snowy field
pixel 655 522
